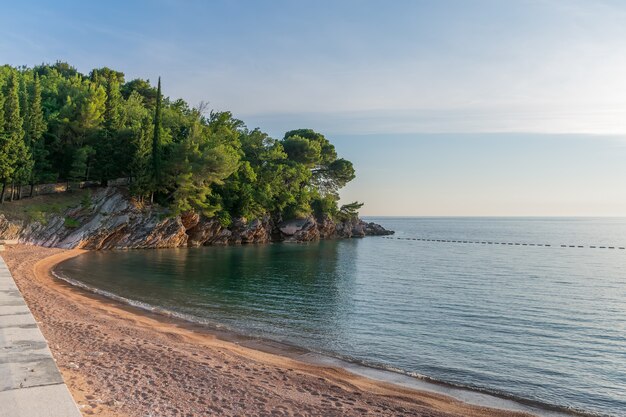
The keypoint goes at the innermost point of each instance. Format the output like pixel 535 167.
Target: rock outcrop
pixel 116 221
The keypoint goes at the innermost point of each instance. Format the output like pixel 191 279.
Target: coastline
pixel 119 360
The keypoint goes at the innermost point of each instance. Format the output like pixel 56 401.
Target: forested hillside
pixel 57 124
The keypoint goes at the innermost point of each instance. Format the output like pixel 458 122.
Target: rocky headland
pixel 114 220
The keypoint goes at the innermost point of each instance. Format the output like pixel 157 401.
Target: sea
pixel 532 310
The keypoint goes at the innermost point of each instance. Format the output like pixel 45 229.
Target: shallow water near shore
pixel 541 323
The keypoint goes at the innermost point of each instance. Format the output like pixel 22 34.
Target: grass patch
pixel 71 223
pixel 39 207
pixel 37 216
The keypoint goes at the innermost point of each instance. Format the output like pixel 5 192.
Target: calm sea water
pixel 544 323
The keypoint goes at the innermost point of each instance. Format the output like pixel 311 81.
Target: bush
pixel 325 206
pixel 224 218
pixel 85 202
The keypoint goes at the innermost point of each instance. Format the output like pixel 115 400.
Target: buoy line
pixel 487 242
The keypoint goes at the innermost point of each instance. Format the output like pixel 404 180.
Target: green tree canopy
pixel 57 124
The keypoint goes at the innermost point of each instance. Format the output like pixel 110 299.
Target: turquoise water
pixel 542 323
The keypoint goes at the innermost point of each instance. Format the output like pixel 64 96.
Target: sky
pixel 445 107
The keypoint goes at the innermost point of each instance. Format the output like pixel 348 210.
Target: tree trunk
pixel 4 187
pixel 32 188
pixel 19 192
pixel 11 192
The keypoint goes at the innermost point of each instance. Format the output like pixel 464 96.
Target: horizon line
pixel 496 216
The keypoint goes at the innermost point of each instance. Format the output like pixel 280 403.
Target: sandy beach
pixel 119 361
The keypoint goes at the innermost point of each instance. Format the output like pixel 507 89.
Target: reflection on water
pixel 268 288
pixel 543 323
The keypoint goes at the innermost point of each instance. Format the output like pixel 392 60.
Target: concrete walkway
pixel 30 382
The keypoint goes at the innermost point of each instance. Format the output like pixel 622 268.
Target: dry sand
pixel 118 361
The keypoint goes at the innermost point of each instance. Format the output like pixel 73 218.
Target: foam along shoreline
pixel 409 395
pixel 464 394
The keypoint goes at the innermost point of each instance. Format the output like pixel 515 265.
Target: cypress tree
pixel 112 106
pixel 24 160
pixel 13 123
pixel 107 152
pixel 13 139
pixel 95 77
pixel 1 112
pixel 156 143
pixel 36 122
pixel 5 168
pixel 23 163
pixel 141 164
pixel 24 107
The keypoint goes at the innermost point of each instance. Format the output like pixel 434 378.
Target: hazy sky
pixel 446 107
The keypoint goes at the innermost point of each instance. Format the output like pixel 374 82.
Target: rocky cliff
pixel 115 221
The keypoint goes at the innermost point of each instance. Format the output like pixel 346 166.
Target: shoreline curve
pixel 436 397
pixel 466 394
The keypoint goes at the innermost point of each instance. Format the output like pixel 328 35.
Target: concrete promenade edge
pixel 30 382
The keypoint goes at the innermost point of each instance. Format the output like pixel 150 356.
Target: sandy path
pixel 119 362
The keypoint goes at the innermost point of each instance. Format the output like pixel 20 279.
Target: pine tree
pixel 36 129
pixel 79 164
pixel 23 167
pixel 156 143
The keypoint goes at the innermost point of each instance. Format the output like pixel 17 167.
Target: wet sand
pixel 120 361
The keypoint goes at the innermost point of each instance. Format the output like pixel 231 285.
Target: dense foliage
pixel 57 124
